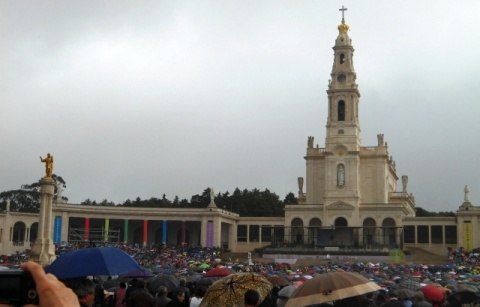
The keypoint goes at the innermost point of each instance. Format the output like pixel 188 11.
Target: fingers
pixel 36 270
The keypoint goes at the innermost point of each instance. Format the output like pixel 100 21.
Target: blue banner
pixel 57 230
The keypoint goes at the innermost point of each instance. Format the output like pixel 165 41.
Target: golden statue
pixel 48 165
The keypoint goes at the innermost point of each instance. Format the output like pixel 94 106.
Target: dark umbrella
pixel 277 280
pixel 92 261
pixel 206 281
pixel 169 281
pixel 404 293
pixel 465 294
pixel 111 283
pixel 137 274
pixel 410 284
pixel 284 294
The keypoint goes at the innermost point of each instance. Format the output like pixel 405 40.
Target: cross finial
pixel 343 9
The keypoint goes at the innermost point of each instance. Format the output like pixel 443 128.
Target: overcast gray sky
pixel 142 98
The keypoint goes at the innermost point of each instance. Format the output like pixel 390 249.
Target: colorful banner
pixel 57 230
pixel 145 232
pixel 210 234
pixel 164 232
pixel 87 229
pixel 467 236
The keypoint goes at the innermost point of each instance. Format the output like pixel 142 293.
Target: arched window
pixel 341 111
pixel 342 58
pixel 341 222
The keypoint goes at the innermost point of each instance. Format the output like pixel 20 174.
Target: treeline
pixel 420 212
pixel 244 202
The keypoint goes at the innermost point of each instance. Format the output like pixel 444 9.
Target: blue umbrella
pixel 92 261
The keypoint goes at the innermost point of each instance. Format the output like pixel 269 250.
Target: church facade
pixel 350 187
pixel 351 197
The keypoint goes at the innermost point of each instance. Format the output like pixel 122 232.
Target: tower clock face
pixel 341 78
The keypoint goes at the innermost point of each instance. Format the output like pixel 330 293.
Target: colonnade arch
pixel 18 235
pixel 297 230
pixel 389 231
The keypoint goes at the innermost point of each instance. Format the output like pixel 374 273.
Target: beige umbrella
pixel 230 290
pixel 331 286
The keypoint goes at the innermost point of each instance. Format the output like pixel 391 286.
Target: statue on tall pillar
pixel 48 160
pixel 7 208
pixel 467 194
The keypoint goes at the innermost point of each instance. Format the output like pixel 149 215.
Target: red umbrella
pixel 218 272
pixel 433 294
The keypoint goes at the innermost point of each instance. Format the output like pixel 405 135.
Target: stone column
pixel 43 250
pixel 203 233
pixel 232 237
pixel 65 222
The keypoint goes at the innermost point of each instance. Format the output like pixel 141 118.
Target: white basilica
pixel 349 187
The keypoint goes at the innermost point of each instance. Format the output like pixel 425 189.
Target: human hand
pixel 51 291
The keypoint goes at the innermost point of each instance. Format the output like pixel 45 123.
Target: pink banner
pixel 87 229
pixel 145 231
pixel 209 234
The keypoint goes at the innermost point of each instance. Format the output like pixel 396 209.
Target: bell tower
pixel 343 127
pixel 342 196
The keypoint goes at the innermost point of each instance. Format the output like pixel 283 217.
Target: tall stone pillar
pixel 43 249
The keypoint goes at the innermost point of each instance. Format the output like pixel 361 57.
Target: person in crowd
pixel 140 287
pixel 393 300
pixel 251 298
pixel 186 291
pixel 198 296
pixel 120 294
pixel 131 287
pixel 455 300
pixel 419 300
pixel 141 299
pixel 99 294
pixel 408 301
pixel 161 298
pixel 178 299
pixel 84 289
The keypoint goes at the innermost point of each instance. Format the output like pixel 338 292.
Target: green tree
pixel 27 198
pixel 290 199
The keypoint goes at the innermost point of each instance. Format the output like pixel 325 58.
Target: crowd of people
pixel 452 278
